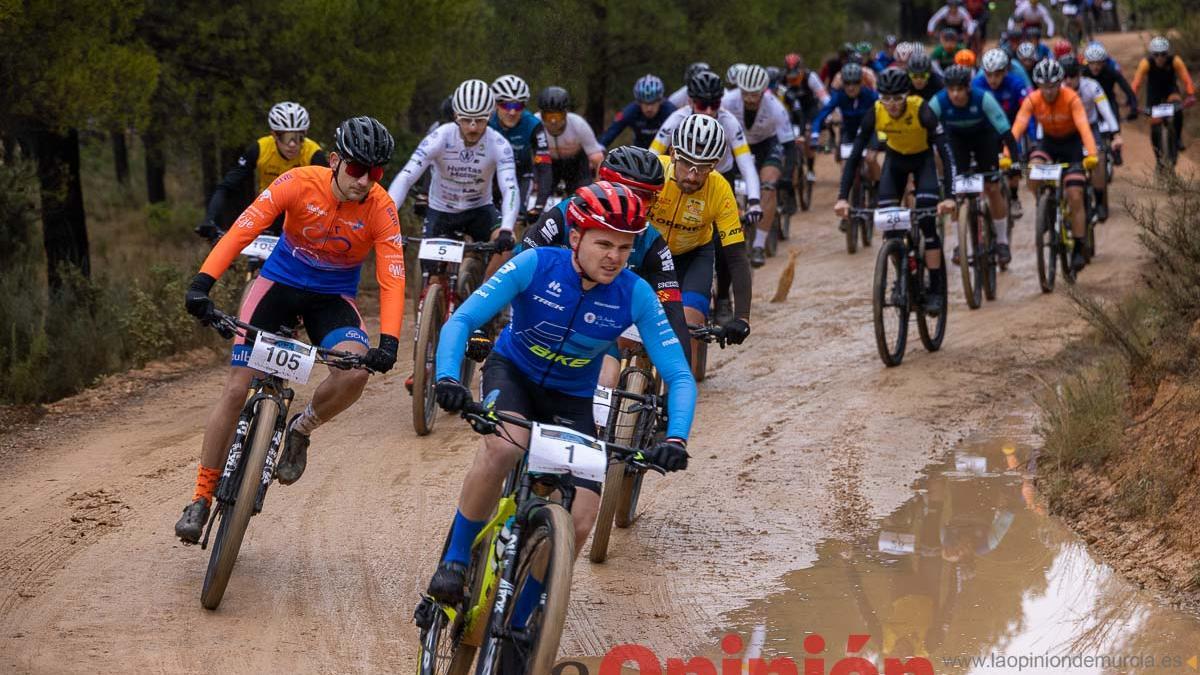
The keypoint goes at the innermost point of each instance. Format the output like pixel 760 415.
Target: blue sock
pixel 462 535
pixel 529 598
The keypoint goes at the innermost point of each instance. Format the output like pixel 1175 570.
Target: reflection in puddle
pixel 971 567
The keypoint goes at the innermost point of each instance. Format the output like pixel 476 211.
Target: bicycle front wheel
pixel 932 329
pixel 547 551
pixel 890 302
pixel 610 497
pixel 236 517
pixel 1046 244
pixel 424 407
pixel 968 260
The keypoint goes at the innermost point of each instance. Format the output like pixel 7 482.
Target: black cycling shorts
pixel 1066 150
pixel 768 152
pixel 982 145
pixel 476 223
pixel 694 270
pixel 328 318
pixel 574 172
pixel 520 395
pixel 893 179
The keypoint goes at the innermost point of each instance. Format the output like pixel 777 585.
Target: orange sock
pixel 206 483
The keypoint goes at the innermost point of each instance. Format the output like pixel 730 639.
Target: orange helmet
pixel 965 57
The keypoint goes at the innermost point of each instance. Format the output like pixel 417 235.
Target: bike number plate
pixel 893 219
pixel 601 405
pixel 1045 172
pixel 1070 10
pixel 554 449
pixel 1163 110
pixel 846 149
pixel 261 247
pixel 289 359
pixel 968 185
pixel 447 250
pixel 1107 4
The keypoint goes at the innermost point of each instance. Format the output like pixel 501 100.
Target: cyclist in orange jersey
pixel 1163 72
pixel 333 217
pixel 1065 135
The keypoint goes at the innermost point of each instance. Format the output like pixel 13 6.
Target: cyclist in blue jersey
pixel 644 116
pixel 531 151
pixel 639 170
pixel 977 126
pixel 853 99
pixel 887 55
pixel 1009 91
pixel 568 307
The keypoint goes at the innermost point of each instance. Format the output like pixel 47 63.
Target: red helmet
pixel 1062 47
pixel 793 62
pixel 609 206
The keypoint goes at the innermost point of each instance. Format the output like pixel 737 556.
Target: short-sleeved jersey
pixel 1061 119
pixel 771 118
pixel 735 136
pixel 324 242
pixel 576 136
pixel 686 221
pixel 272 165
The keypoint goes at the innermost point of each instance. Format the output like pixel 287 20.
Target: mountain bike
pixel 901 283
pixel 250 465
pixel 631 415
pixel 772 244
pixel 448 276
pixel 1162 136
pixel 530 534
pixel 976 239
pixel 1052 225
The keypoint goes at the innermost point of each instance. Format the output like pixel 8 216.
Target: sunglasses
pixel 707 104
pixel 555 117
pixel 918 76
pixel 1158 55
pixel 473 121
pixel 894 98
pixel 512 106
pixel 358 170
pixel 695 167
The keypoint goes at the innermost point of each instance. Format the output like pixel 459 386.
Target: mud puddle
pixel 971 575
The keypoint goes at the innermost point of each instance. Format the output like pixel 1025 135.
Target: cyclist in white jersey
pixel 1031 13
pixel 465 155
pixel 704 98
pixel 575 154
pixel 1100 116
pixel 769 134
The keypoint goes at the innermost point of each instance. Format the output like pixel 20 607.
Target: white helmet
pixel 288 116
pixel 1095 53
pixel 731 75
pixel 904 51
pixel 473 98
pixel 510 88
pixel 753 79
pixel 1026 51
pixel 917 48
pixel 995 60
pixel 699 138
pixel 1160 45
pixel 1048 71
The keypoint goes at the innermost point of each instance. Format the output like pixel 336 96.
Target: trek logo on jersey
pixel 551 305
pixel 568 361
pixel 554 288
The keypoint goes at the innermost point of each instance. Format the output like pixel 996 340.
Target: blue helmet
pixel 648 89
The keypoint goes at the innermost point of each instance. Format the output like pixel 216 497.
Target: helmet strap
pixel 575 259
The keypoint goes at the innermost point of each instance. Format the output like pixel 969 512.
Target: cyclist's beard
pixel 690 183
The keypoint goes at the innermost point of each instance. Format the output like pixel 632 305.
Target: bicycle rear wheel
pixel 548 546
pixel 806 190
pixel 236 517
pixel 991 262
pixel 1046 244
pixel 931 336
pixel 424 407
pixel 867 226
pixel 610 497
pixel 890 302
pixel 968 255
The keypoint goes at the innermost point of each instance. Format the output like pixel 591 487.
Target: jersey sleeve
pixel 389 269
pixel 662 139
pixel 931 27
pixel 254 220
pixel 866 131
pixel 513 277
pixel 1021 123
pixel 1143 69
pixel 994 113
pixel 742 155
pixel 506 179
pixel 824 112
pixel 421 158
pixel 548 231
pixel 938 139
pixel 729 226
pixel 237 176
pixel 1049 20
pixel 783 123
pixel 587 137
pixel 1079 115
pixel 658 269
pixel 666 353
pixel 1181 72
pixel 1108 117
pixel 620 121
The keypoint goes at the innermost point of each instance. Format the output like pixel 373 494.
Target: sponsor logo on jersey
pixel 589 317
pixel 549 304
pixel 606 305
pixel 550 230
pixel 568 361
pixel 694 206
pixel 266 196
pixel 554 288
pixel 314 209
pixel 396 270
pixel 668 261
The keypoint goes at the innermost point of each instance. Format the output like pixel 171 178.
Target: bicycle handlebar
pixel 479 246
pixel 708 333
pixel 484 418
pixel 228 326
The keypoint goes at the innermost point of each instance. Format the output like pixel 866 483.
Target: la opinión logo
pixel 648 662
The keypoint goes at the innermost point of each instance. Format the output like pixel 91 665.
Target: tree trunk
pixel 597 86
pixel 120 156
pixel 208 167
pixel 64 224
pixel 156 169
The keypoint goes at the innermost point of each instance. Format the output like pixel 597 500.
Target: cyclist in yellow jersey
pixel 695 201
pixel 910 130
pixel 285 148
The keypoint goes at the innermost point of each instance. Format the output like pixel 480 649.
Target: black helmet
pixel 633 166
pixel 364 140
pixel 554 98
pixel 893 81
pixel 845 49
pixel 957 76
pixel 852 73
pixel 920 63
pixel 705 86
pixel 774 75
pixel 693 69
pixel 1070 65
pixel 446 111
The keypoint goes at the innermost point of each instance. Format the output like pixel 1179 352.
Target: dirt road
pixel 801 435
